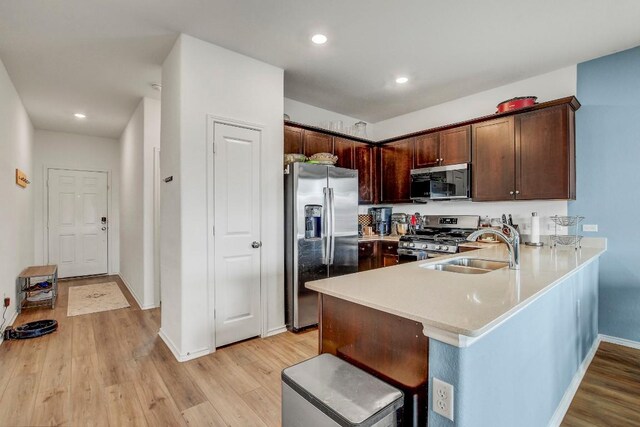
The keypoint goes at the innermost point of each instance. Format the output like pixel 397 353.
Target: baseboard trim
pixel 275 331
pixel 620 341
pixel 176 353
pixel 9 323
pixel 135 296
pixel 570 392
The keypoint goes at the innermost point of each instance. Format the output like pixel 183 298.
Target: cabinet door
pixel 292 139
pixel 545 156
pixel 396 162
pixel 455 146
pixel 389 252
pixel 427 150
pixel 367 256
pixel 493 160
pixel 316 142
pixel 364 163
pixel 343 148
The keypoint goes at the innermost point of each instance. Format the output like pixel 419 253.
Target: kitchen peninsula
pixel 509 341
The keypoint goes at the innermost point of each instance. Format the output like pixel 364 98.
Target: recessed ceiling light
pixel 402 80
pixel 80 116
pixel 319 39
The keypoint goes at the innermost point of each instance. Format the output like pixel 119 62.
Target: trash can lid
pixel 347 394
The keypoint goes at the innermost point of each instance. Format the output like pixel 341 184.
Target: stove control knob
pixel 424 246
pixel 411 245
pixel 439 247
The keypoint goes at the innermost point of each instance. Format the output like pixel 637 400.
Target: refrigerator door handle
pixel 325 226
pixel 332 226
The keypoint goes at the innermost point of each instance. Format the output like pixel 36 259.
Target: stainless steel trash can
pixel 326 392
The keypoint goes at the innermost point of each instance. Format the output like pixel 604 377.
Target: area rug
pixel 95 298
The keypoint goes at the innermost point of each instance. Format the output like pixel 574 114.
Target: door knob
pixel 256 245
pixel 104 228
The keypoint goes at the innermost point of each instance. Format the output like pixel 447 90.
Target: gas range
pixel 439 235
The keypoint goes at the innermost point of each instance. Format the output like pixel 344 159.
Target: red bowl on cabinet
pixel 516 103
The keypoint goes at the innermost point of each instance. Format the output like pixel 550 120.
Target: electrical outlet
pixel 590 227
pixel 443 398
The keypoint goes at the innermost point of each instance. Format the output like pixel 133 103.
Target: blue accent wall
pixel 518 373
pixel 608 181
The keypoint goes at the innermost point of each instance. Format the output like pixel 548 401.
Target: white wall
pixel 16 206
pixel 201 79
pixel 546 87
pixel 549 86
pixel 137 144
pixel 83 152
pixel 313 116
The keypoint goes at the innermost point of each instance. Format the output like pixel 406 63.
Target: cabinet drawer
pixel 366 249
pixel 389 248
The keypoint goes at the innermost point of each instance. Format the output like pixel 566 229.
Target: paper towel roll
pixel 535 228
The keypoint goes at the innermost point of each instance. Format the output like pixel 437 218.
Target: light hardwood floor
pixel 111 368
pixel 609 394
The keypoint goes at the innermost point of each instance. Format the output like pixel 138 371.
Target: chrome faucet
pixel 513 242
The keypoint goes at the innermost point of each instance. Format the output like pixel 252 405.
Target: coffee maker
pixel 381 220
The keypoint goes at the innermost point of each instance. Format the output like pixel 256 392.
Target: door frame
pixel 212 120
pixel 45 210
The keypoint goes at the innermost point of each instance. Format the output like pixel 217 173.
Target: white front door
pixel 237 233
pixel 77 233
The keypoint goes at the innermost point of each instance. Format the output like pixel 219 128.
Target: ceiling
pixel 100 57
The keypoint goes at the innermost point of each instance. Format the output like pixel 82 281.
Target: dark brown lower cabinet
pixel 390 347
pixel 377 254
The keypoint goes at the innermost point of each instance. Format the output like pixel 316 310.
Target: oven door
pixel 411 255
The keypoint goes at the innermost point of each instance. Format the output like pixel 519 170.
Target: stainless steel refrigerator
pixel 321 234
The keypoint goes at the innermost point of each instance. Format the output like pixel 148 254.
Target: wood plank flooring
pixel 112 369
pixel 609 394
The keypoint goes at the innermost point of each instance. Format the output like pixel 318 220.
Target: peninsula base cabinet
pixel 527 156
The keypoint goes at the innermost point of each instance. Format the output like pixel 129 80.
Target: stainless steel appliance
pixel 321 234
pixel 381 220
pixel 439 235
pixel 441 183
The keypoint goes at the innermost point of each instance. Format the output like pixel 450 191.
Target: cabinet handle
pixel 517 192
pixel 511 192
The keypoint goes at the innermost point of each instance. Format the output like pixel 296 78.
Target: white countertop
pixel 377 237
pixel 459 308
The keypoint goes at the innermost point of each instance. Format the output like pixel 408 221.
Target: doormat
pixel 95 298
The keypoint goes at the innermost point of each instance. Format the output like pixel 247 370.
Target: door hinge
pixel 213 230
pixel 214 148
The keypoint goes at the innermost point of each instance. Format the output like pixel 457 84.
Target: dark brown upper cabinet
pixel 292 139
pixel 427 150
pixel 316 142
pixel 493 160
pixel 545 154
pixel 358 155
pixel 396 162
pixel 447 147
pixel 528 156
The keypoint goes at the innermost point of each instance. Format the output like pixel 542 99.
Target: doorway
pixel 77 222
pixel 236 241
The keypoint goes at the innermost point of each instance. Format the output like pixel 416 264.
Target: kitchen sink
pixel 468 265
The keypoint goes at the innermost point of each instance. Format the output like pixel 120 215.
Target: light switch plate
pixel 590 227
pixel 443 398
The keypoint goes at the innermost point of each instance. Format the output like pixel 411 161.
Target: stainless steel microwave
pixel 441 183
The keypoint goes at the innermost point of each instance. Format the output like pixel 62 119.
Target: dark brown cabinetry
pixel 292 139
pixel 396 162
pixel 447 147
pixel 358 155
pixel 529 156
pixel 545 154
pixel 493 160
pixel 377 254
pixel 343 148
pixel 316 142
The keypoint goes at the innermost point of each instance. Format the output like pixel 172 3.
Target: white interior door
pixel 237 233
pixel 77 235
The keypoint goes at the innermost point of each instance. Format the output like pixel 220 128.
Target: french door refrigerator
pixel 321 234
